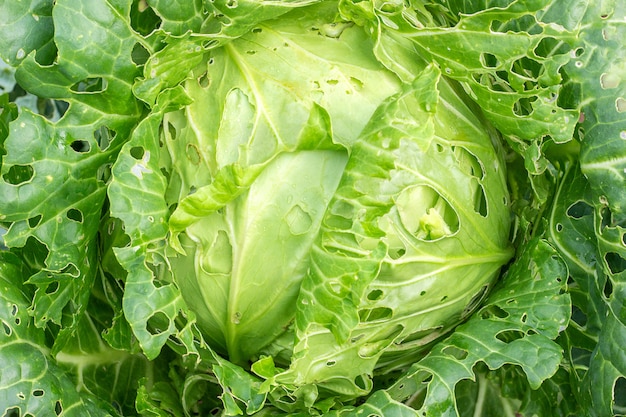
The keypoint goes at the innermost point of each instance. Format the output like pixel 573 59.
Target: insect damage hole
pixel 8 330
pixel 75 215
pixel 508 336
pixel 489 60
pixel 137 152
pixel 80 146
pixel 579 210
pixel 480 200
pixel 90 85
pixel 158 323
pixel 34 221
pixel 103 137
pixel 375 314
pixel 615 262
pixel 375 295
pixel 455 352
pixel 619 396
pixel 426 214
pixel 19 174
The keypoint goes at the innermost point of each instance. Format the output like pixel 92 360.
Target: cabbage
pixel 336 220
pixel 312 208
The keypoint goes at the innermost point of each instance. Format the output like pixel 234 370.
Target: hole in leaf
pixel 71 269
pixel 615 262
pixel 104 172
pixel 137 152
pixel 528 69
pixel 90 85
pixel 579 209
pixel 103 137
pixel 455 352
pixel 171 130
pixel 80 146
pixel 58 408
pixel 606 217
pixel 608 288
pixel 550 46
pixel 396 253
pixel 375 295
pixel 619 396
pixel 143 18
pixel 525 23
pixel 426 214
pixel 7 329
pixel 361 381
pixel 468 162
pixel 331 362
pixel 480 201
pixel 508 336
pixel 19 174
pixel 493 311
pixel 559 227
pixel 52 287
pixel 140 54
pixel 75 214
pixel 488 60
pixel 34 221
pixel 12 412
pixel 524 106
pixel 204 81
pixel 38 393
pixel 375 314
pixel 158 323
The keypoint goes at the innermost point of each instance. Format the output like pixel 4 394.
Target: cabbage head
pixel 332 215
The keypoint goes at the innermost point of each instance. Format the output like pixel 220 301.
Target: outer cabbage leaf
pixel 508 59
pixel 514 327
pixel 588 222
pixel 189 31
pixel 600 74
pixel 51 180
pixel 594 338
pixel 27 26
pixel 31 383
pixel 153 306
